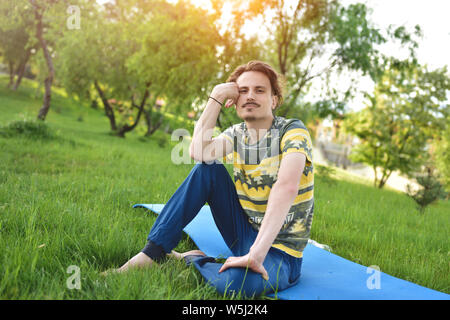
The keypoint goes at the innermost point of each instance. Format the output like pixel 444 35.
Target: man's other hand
pixel 245 262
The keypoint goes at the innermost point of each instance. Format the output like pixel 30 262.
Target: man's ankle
pixel 154 251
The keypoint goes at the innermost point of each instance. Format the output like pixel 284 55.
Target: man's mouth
pixel 250 104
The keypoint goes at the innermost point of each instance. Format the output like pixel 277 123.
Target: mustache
pixel 250 103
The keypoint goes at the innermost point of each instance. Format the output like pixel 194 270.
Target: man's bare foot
pixel 141 260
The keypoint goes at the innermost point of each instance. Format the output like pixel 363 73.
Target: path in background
pixel 395 181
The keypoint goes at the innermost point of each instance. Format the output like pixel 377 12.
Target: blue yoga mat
pixel 325 276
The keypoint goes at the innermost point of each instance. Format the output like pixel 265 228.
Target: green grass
pixel 66 199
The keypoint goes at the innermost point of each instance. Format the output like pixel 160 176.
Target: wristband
pixel 216 100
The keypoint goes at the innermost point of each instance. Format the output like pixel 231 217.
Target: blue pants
pixel 211 183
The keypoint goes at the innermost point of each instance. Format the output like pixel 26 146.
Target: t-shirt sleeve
pixel 228 134
pixel 297 139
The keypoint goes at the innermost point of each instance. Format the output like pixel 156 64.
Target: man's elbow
pixel 196 156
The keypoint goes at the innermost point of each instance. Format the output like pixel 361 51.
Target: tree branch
pixel 108 110
pixel 127 128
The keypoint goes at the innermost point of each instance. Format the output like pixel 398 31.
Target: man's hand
pixel 245 262
pixel 228 91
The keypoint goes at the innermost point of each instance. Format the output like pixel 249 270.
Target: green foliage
pixel 97 52
pixel 442 155
pixel 173 122
pixel 28 128
pixel 38 23
pixel 161 138
pixel 177 53
pixel 166 50
pixel 302 34
pixel 325 174
pixel 406 110
pixel 431 189
pixel 357 39
pixel 14 49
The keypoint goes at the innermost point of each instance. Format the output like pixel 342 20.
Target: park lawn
pixel 66 200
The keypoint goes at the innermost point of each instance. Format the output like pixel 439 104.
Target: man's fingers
pixel 223 268
pixel 228 263
pixel 232 262
pixel 229 103
pixel 264 274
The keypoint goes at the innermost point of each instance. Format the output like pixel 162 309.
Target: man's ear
pixel 274 102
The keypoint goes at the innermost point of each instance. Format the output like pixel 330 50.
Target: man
pixel 265 216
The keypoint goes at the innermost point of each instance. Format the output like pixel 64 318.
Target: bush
pixel 34 129
pixel 431 189
pixel 325 173
pixel 172 123
pixel 161 138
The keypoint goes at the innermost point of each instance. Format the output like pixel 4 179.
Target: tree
pixel 442 155
pixel 36 20
pixel 16 41
pixel 405 111
pixel 94 58
pixel 301 35
pixel 431 189
pixel 178 53
pixel 16 48
pixel 39 8
pixel 134 52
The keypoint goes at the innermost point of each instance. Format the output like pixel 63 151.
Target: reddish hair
pixel 259 66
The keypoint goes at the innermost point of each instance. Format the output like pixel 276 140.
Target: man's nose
pixel 251 95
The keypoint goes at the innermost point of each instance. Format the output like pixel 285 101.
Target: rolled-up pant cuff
pixel 154 251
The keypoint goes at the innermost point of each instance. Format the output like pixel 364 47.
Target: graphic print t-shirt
pixel 255 168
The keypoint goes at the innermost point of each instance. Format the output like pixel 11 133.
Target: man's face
pixel 255 100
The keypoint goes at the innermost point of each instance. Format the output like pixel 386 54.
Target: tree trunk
pixel 155 127
pixel 126 128
pixel 47 98
pixel 151 128
pixel 375 181
pixel 21 69
pixel 108 110
pixel 384 179
pixel 48 59
pixel 11 74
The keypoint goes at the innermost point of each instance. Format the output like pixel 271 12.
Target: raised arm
pixel 203 147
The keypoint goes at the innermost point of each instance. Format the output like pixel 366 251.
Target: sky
pixel 431 15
